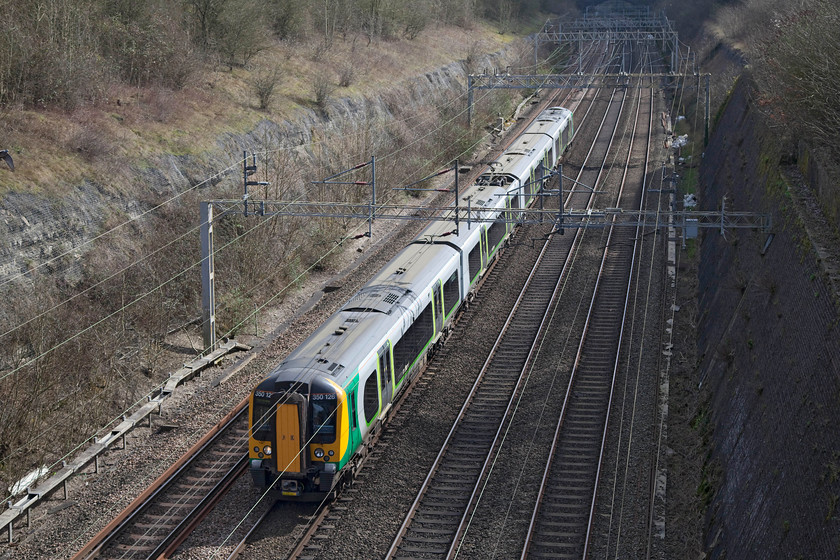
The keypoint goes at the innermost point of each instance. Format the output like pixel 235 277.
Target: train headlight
pixel 256 449
pixel 319 452
pixel 267 450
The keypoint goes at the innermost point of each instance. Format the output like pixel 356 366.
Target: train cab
pixel 300 434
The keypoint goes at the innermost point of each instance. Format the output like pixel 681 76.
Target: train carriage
pixel 315 412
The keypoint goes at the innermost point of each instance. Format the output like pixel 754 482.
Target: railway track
pixel 308 546
pixel 155 523
pixel 439 515
pixel 166 513
pixel 434 519
pixel 481 432
pixel 438 536
pixel 562 521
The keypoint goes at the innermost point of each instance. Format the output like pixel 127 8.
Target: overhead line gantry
pixel 461 214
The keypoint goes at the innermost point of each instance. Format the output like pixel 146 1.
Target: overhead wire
pixel 273 297
pixel 160 249
pixel 268 414
pixel 210 179
pixel 174 198
pixel 248 317
pixel 415 173
pixel 255 422
pixel 145 257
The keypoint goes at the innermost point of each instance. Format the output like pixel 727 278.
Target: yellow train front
pixel 300 438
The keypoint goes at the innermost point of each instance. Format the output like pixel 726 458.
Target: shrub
pixel 323 89
pixel 799 66
pixel 264 85
pixel 347 74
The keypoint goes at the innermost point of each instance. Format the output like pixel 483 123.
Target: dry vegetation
pixel 793 52
pixel 96 91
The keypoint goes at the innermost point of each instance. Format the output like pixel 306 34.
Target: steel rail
pixel 462 527
pixel 577 364
pixel 237 550
pixel 623 322
pixel 471 397
pixel 147 499
pixel 325 510
pixel 652 473
pixel 540 333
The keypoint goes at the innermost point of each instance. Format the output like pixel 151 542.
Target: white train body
pixel 315 411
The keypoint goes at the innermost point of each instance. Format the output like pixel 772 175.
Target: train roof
pixel 485 197
pixel 551 115
pixel 344 340
pixel 414 266
pixel 536 140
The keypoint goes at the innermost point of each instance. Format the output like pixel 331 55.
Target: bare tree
pixel 264 85
pixel 799 65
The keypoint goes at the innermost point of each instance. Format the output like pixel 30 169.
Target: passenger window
pixel 439 306
pixel 496 233
pixel 371 397
pixel 451 293
pixel 385 367
pixel 413 341
pixel 475 261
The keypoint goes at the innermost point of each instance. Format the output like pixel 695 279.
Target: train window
pixel 557 143
pixel 514 204
pixel 451 293
pixel 324 410
pixel 475 260
pixel 371 397
pixel 262 418
pixel 496 233
pixel 385 366
pixel 413 341
pixel 354 423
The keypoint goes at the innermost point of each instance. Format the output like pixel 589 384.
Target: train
pixel 312 418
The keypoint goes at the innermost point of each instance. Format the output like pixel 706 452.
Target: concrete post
pixel 208 293
pixel 708 103
pixel 469 100
pixel 373 195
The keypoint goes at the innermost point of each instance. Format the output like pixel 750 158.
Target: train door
pixel 438 308
pixel 352 409
pixel 290 437
pixel 385 371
